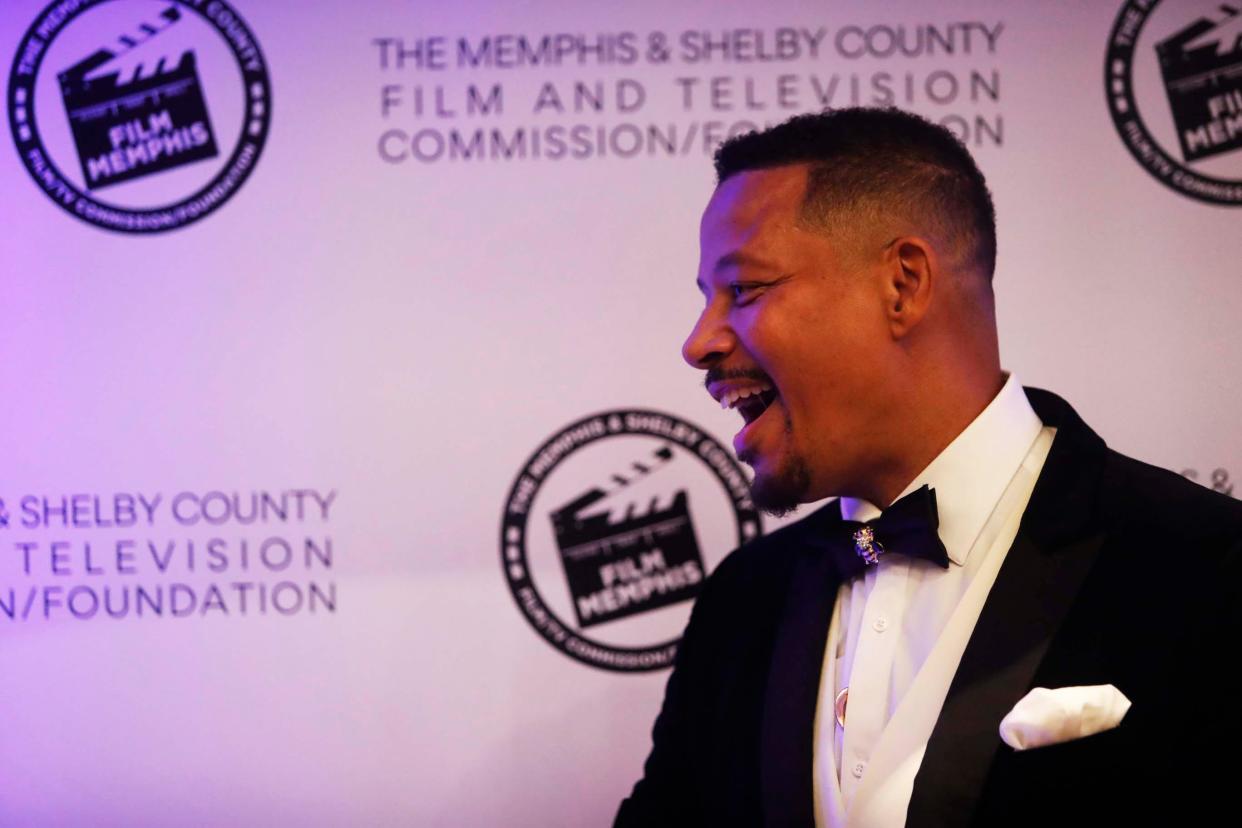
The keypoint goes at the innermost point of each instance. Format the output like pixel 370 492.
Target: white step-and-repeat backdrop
pixel 349 472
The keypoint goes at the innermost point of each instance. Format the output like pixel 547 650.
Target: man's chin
pixel 780 493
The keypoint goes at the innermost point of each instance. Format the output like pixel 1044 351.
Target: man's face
pixel 793 337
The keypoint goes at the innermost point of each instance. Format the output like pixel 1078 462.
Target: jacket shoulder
pixel 1152 499
pixel 767 558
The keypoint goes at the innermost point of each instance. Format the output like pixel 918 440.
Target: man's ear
pixel 911 271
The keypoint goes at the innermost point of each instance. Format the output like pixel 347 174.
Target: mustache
pixel 721 374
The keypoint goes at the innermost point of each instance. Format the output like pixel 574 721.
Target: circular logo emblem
pixel 137 116
pixel 1174 86
pixel 612 526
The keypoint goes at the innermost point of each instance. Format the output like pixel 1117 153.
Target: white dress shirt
pixel 898 631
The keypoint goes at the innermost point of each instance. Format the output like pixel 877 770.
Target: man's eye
pixel 744 292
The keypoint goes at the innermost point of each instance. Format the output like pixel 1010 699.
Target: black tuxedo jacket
pixel 1121 574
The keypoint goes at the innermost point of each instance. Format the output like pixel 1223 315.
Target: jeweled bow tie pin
pixel 867 547
pixel 908 527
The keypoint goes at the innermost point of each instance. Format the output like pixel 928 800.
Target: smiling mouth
pixel 750 402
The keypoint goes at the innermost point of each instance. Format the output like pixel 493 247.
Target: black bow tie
pixel 908 527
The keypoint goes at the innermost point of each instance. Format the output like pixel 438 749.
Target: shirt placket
pixel 870 679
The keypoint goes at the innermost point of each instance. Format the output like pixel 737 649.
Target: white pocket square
pixel 1048 717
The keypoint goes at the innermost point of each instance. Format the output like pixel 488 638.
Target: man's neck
pixel 928 429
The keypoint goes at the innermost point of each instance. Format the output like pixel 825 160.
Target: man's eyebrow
pixel 736 258
pixel 739 258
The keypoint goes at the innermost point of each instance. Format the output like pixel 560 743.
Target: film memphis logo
pixel 143 125
pixel 1201 65
pixel 617 566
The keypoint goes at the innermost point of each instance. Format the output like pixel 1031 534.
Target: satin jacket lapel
pixel 1042 573
pixel 786 745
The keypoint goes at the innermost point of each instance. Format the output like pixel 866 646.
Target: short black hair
pixel 880 160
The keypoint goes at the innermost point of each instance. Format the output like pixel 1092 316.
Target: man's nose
pixel 709 342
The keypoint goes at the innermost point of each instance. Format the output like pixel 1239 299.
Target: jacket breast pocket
pixel 1106 778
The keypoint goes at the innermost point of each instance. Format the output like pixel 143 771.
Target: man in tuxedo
pixel 855 667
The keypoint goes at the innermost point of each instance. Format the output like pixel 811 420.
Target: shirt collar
pixel 971 474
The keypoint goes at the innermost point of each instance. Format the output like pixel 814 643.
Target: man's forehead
pixel 750 219
pixel 747 200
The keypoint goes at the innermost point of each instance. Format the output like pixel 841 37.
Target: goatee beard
pixel 781 493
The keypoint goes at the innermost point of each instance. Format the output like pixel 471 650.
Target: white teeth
pixel 730 398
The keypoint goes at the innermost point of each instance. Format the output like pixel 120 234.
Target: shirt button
pixel 858 769
pixel 880 624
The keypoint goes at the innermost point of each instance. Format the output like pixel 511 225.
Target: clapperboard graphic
pixel 153 120
pixel 1202 69
pixel 621 558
